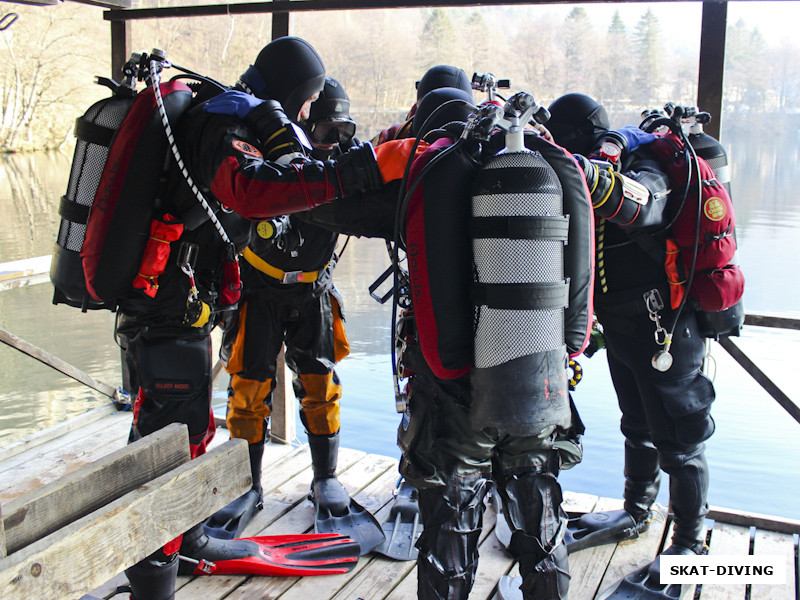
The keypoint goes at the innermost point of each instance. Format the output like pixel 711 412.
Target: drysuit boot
pixel 688 491
pixel 229 521
pixel 324 455
pixel 154 577
pixel 642 480
pixel 336 511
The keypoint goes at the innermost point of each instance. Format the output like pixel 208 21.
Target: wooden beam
pixel 280 21
pixel 92 550
pixel 39 513
pixel 321 5
pixel 772 321
pixel 106 3
pixel 761 378
pixel 712 64
pixel 120 47
pixel 36 2
pixel 56 363
pixel 751 519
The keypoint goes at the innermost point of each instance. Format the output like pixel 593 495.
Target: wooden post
pixel 712 64
pixel 282 418
pixel 120 46
pixel 280 22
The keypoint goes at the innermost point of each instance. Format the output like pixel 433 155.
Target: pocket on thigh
pixel 173 368
pixel 687 402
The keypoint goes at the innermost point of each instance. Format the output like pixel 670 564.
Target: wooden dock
pixel 55 453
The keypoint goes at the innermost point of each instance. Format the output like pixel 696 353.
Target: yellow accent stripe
pixel 266 268
pixel 611 189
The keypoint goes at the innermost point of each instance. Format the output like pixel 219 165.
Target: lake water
pixel 753 454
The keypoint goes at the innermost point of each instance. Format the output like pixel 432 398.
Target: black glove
pixel 599 178
pixel 274 129
pixel 357 170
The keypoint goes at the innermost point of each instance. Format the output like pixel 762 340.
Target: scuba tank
pixel 519 230
pixel 94 131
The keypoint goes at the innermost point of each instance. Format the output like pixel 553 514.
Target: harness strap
pixel 279 274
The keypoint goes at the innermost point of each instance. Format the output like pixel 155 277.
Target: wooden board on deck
pixel 93 549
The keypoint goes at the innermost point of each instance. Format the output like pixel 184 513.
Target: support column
pixel 712 63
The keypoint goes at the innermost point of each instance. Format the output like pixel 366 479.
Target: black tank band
pixel 521 227
pixel 522 296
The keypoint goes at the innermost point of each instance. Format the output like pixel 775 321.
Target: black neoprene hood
pixel 577 121
pixel 333 102
pixel 288 70
pixel 458 108
pixel 442 76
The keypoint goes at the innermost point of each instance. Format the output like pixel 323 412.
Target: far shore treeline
pixel 50 55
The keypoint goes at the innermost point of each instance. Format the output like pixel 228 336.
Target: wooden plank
pixel 374 575
pixel 56 431
pixel 82 449
pixel 27 267
pixel 776 544
pixel 758 520
pixel 98 546
pixel 732 540
pixel 41 512
pixel 588 566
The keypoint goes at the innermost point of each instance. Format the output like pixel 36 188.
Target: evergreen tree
pixel 649 74
pixel 746 69
pixel 476 40
pixel 578 56
pixel 438 43
pixel 615 76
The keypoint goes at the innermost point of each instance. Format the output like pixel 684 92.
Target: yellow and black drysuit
pixel 231 144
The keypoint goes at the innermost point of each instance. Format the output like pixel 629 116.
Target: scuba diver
pixel 665 407
pixel 439 76
pixel 246 155
pixel 464 423
pixel 289 298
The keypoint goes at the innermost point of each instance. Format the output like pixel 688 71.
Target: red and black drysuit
pixel 173 360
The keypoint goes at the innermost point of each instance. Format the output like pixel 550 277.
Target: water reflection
pixel 755 440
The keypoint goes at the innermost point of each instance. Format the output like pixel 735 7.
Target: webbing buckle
pixel 293 277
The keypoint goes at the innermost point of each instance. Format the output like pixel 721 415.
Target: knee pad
pixel 532 504
pixel 453 517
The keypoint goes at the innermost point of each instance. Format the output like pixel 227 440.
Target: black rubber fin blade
pixel 587 530
pixel 229 522
pixel 638 585
pixel 338 513
pixel 403 526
